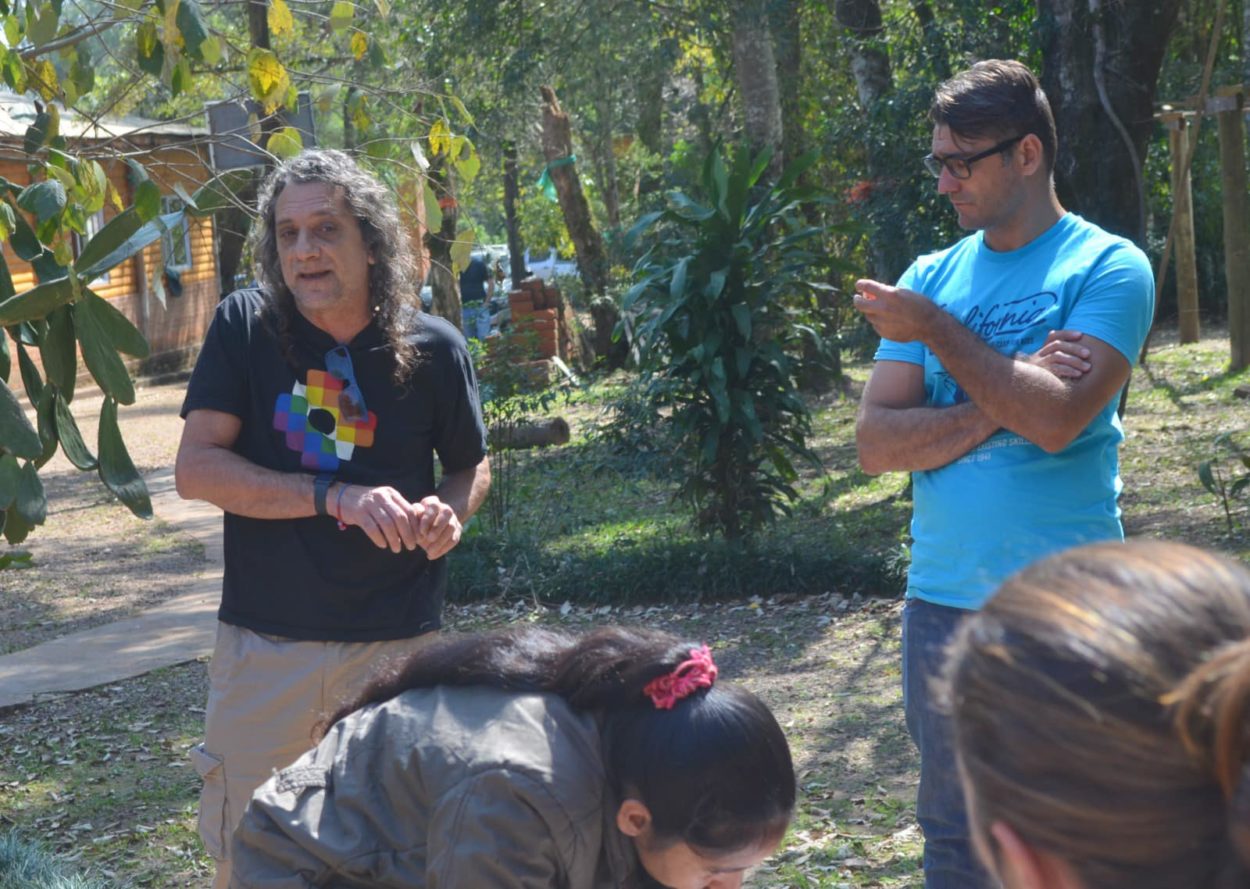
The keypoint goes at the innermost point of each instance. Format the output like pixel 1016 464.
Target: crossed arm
pixel 1047 397
pixel 208 469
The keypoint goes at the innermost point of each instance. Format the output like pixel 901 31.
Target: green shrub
pixel 24 865
pixel 713 322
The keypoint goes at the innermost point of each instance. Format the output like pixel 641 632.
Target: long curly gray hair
pixel 392 277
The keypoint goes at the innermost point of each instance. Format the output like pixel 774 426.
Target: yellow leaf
pixel 115 199
pixel 42 76
pixel 280 18
pixel 210 49
pixel 360 44
pixel 341 16
pixel 267 78
pixel 285 143
pixel 172 36
pixel 440 138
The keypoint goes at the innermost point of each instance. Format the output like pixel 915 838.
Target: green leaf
pixel 31 503
pixel 10 476
pixel 192 26
pixel 115 232
pixel 677 286
pixel 43 28
pixel 121 332
pixel 147 201
pixel 37 302
pixel 341 16
pixel 433 212
pixel 76 450
pixel 59 351
pixel 45 199
pixel 31 379
pixel 742 318
pixel 180 77
pixel 149 51
pixel 6 360
pixel 100 355
pixel 15 527
pixel 147 234
pixel 115 467
pixel 285 143
pixel 17 435
pixel 1207 478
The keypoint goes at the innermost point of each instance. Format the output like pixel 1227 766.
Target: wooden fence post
pixel 1179 136
pixel 1230 108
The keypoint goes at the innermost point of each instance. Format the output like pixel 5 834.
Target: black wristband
pixel 321 486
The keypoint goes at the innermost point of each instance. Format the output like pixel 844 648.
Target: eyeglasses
pixel 351 401
pixel 961 167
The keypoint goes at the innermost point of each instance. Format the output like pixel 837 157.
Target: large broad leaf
pixel 25 242
pixel 193 28
pixel 37 302
pixel 10 476
pixel 45 199
pixel 145 235
pixel 149 51
pixel 100 354
pixel 46 410
pixel 6 359
pixel 117 231
pixel 220 192
pixel 17 435
pixel 285 143
pixel 116 469
pixel 147 200
pixel 37 133
pixel 72 444
pixel 59 351
pixel 32 503
pixel 121 332
pixel 15 527
pixel 30 373
pixel 267 78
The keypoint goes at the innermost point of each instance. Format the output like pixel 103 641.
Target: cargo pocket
pixel 212 824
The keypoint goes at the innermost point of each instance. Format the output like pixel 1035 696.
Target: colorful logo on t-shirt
pixel 309 417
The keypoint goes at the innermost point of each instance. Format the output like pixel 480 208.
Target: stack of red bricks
pixel 538 309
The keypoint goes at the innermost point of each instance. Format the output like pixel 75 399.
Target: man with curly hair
pixel 313 416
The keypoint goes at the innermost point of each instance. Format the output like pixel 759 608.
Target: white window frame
pixel 95 222
pixel 172 204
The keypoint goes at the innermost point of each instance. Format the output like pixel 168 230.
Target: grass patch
pixel 25 865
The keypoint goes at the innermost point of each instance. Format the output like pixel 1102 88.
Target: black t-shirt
pixel 304 578
pixel 473 282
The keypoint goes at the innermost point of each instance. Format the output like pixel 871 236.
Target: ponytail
pixel 1100 704
pixel 1212 718
pixel 708 759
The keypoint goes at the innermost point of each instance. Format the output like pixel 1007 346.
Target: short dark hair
pixel 996 99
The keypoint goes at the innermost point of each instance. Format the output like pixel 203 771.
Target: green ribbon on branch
pixel 544 181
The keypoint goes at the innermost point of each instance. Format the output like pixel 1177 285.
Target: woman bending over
pixel 530 758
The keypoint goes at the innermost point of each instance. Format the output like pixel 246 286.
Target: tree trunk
pixel 607 162
pixel 755 73
pixel 874 83
pixel 788 46
pixel 443 282
pixel 1094 158
pixel 232 226
pixel 516 247
pixel 557 142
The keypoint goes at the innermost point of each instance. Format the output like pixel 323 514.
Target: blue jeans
pixel 476 321
pixel 949 860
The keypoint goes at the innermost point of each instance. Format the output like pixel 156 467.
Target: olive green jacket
pixel 441 788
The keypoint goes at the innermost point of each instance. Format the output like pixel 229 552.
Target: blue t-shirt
pixel 1007 502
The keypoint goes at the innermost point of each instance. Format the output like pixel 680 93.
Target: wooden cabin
pixel 170 290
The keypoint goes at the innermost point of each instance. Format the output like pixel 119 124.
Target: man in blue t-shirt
pixel 1001 363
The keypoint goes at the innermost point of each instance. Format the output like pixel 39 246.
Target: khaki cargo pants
pixel 266 693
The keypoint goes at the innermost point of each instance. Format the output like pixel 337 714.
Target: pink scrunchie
pixel 697 672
